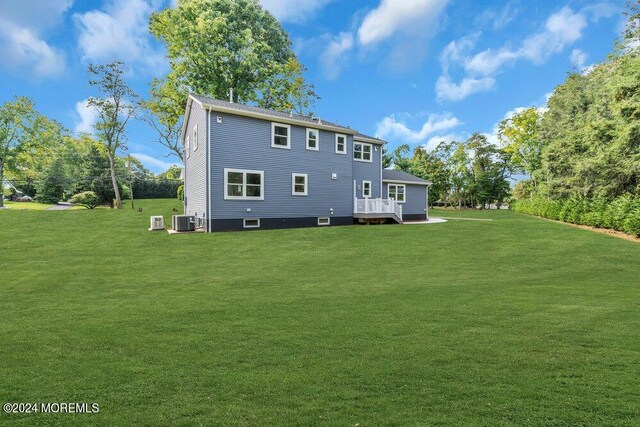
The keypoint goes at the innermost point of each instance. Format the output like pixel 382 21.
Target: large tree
pixel 520 136
pixel 216 47
pixel 115 106
pixel 16 120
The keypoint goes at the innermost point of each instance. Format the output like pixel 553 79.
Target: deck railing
pixel 375 206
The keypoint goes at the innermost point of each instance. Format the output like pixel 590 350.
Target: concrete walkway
pixel 430 221
pixel 453 218
pixel 59 207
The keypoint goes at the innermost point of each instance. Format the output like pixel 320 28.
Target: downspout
pixel 208 167
pixel 427 203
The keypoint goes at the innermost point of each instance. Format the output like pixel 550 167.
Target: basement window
pixel 251 223
pixel 324 221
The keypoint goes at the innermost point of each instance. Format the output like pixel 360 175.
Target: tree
pixel 218 46
pixel 401 160
pixel 16 118
pixel 115 108
pixel 55 183
pixel 173 172
pixel 521 139
pixel 285 89
pixel 164 112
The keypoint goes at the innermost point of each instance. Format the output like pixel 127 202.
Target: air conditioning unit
pixel 157 223
pixel 183 222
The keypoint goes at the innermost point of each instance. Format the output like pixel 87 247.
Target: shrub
pixel 180 193
pixel 632 223
pixel 88 199
pixel 617 211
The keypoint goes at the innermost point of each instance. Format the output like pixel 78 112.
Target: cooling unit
pixel 157 223
pixel 183 222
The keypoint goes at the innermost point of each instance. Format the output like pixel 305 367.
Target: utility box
pixel 157 223
pixel 183 223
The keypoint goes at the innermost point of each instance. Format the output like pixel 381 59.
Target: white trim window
pixel 341 144
pixel 397 192
pixel 195 137
pixel 362 152
pixel 187 146
pixel 241 184
pixel 299 184
pixel 366 189
pixel 251 223
pixel 280 136
pixel 313 139
pixel 324 221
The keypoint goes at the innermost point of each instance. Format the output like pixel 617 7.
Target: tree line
pixel 582 154
pixel 220 48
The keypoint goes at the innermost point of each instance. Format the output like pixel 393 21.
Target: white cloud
pixel 153 164
pixel 22 50
pixel 120 31
pixel 497 19
pixel 561 29
pixel 434 141
pixel 394 128
pixel 578 58
pixel 23 25
pixel 335 55
pixel 293 10
pixel 86 117
pixel 393 16
pixel 449 90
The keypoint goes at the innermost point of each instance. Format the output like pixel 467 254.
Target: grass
pixel 27 206
pixel 514 321
pixel 34 206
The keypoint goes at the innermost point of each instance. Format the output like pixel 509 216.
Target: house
pixel 248 167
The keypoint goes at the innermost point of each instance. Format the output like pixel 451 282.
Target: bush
pixel 632 223
pixel 88 199
pixel 180 193
pixel 622 214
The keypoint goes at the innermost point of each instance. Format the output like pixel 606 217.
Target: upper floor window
pixel 280 135
pixel 397 192
pixel 195 137
pixel 299 184
pixel 341 144
pixel 362 152
pixel 366 189
pixel 313 139
pixel 186 147
pixel 243 184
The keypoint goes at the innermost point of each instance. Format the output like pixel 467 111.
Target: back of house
pixel 248 167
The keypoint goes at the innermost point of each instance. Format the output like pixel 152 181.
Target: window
pixel 298 184
pixel 195 137
pixel 280 135
pixel 324 221
pixel 341 144
pixel 397 192
pixel 243 184
pixel 366 189
pixel 186 147
pixel 362 152
pixel 251 223
pixel 313 139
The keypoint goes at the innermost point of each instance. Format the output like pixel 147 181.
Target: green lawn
pixel 515 321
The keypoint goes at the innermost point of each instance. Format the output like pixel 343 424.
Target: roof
pixel 251 110
pixel 363 137
pixel 212 102
pixel 402 177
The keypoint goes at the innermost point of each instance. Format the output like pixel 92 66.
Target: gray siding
pixel 195 183
pixel 415 199
pixel 365 171
pixel 245 143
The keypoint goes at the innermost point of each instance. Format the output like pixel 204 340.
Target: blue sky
pixel 410 71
